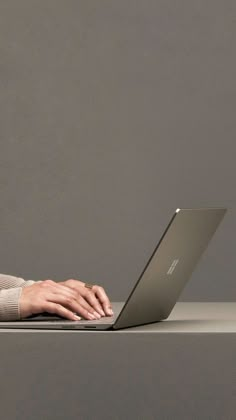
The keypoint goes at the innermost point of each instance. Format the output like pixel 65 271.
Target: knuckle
pixel 80 299
pixel 69 282
pixel 73 295
pixel 57 308
pixel 47 282
pixel 68 300
pixel 44 284
pixel 46 306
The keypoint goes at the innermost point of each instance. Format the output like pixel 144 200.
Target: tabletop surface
pixel 186 317
pixel 197 317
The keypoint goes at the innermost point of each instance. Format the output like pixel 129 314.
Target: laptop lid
pixel 170 266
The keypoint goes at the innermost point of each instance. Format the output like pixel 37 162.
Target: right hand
pixel 55 298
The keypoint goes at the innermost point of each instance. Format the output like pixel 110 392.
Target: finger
pixel 87 294
pixel 90 297
pixel 55 308
pixel 78 305
pixel 87 307
pixel 103 298
pixel 67 296
pixel 88 301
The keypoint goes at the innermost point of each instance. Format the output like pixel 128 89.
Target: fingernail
pixel 101 312
pixel 110 311
pixel 77 318
pixel 97 315
pixel 91 315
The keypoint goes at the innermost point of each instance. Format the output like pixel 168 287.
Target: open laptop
pixel 161 281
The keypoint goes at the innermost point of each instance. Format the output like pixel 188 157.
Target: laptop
pixel 159 284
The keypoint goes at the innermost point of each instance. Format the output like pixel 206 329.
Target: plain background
pixel 112 115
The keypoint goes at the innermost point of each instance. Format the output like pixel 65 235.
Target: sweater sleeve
pixel 8 282
pixel 9 304
pixel 10 292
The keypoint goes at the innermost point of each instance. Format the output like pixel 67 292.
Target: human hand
pixel 95 296
pixel 65 299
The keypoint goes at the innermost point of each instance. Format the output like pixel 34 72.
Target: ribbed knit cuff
pixel 9 304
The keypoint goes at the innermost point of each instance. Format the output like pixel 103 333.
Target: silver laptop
pixel 161 281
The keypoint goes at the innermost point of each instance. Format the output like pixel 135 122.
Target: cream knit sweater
pixel 10 292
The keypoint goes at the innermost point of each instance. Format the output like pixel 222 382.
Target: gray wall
pixel 112 114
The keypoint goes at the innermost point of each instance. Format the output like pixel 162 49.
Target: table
pixel 181 368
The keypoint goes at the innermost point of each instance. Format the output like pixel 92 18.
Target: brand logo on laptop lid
pixel 172 267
